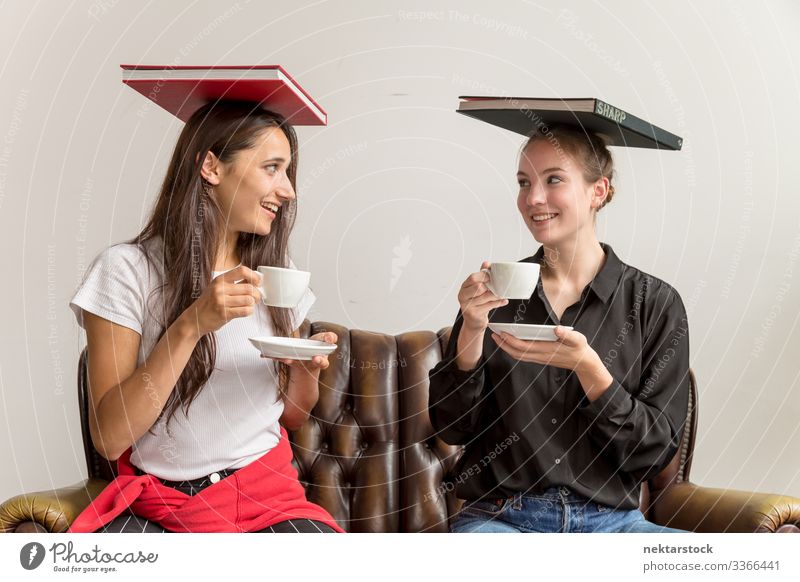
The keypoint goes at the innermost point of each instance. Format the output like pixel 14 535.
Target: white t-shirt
pixel 234 418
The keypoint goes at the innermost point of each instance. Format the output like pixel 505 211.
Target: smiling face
pixel 253 188
pixel 556 202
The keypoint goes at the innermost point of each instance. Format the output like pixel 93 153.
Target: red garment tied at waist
pixel 263 493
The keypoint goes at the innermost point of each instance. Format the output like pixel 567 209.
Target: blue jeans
pixel 556 510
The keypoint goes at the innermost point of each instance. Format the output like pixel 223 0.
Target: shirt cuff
pixel 474 376
pixel 612 402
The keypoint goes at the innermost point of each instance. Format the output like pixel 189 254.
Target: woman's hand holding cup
pixel 477 300
pixel 231 295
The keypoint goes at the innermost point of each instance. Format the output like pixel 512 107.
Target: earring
pixel 206 188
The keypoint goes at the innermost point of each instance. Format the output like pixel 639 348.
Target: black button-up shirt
pixel 528 427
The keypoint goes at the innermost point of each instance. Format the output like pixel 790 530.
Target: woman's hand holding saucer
pixel 570 351
pixel 316 363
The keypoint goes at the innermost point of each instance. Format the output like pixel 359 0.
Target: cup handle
pixel 489 282
pixel 261 288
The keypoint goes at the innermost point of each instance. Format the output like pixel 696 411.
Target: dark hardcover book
pixel 524 115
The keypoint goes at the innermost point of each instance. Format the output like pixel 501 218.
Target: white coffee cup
pixel 283 287
pixel 512 280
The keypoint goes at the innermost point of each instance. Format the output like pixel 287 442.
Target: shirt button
pixel 558 461
pixel 214 477
pixel 553 421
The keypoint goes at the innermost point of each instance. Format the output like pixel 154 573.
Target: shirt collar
pixel 605 282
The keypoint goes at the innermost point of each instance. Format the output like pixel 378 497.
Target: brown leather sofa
pixel 369 454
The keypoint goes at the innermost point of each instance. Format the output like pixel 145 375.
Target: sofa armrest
pixel 54 510
pixel 702 509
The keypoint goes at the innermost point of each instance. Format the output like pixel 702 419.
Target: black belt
pixel 210 479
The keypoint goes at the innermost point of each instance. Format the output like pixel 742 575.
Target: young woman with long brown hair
pixel 194 416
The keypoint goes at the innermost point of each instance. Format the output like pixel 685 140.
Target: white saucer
pixel 527 331
pixel 291 348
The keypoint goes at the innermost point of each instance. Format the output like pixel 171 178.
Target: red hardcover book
pixel 182 90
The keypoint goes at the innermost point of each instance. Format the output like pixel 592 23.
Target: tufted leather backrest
pixel 426 460
pixel 369 454
pixel 347 452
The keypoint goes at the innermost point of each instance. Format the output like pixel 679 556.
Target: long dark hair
pixel 191 226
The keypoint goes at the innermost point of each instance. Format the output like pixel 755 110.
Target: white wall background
pixel 398 176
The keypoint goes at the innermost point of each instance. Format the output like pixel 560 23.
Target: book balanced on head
pixel 526 114
pixel 183 90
